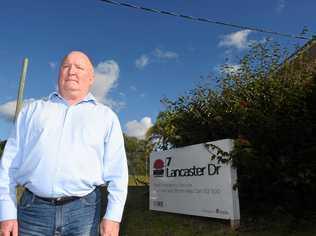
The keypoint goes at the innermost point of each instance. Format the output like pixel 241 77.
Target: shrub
pixel 268 107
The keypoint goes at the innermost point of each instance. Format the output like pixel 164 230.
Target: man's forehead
pixel 77 57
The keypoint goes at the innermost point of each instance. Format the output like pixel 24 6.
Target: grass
pixel 138 221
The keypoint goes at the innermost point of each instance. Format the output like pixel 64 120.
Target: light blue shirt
pixel 58 150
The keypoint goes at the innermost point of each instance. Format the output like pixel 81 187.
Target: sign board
pixel 186 180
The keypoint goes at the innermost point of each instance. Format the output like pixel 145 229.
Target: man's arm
pixel 116 175
pixel 9 163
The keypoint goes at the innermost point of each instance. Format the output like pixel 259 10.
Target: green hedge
pixel 270 111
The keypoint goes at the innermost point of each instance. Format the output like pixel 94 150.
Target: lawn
pixel 138 220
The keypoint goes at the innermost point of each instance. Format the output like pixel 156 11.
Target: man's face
pixel 76 75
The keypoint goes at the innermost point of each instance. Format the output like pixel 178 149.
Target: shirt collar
pixel 88 98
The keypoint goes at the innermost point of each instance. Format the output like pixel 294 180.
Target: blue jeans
pixel 80 217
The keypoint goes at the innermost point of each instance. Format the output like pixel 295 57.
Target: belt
pixel 55 201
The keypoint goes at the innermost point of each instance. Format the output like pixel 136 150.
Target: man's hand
pixel 109 228
pixel 9 226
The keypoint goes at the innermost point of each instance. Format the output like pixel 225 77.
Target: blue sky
pixel 139 57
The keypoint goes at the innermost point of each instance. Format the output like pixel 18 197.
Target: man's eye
pixel 80 67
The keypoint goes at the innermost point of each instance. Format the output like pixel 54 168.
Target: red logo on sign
pixel 159 164
pixel 158 168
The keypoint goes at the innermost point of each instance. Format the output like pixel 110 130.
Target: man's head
pixel 75 76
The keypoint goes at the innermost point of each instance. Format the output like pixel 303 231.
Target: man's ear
pixel 92 80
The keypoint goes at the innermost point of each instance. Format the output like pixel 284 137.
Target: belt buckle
pixel 57 201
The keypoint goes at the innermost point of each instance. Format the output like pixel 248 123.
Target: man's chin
pixel 74 89
pixel 71 92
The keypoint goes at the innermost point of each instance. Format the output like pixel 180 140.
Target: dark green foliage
pixel 270 111
pixel 137 152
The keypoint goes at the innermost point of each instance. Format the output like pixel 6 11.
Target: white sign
pixel 186 180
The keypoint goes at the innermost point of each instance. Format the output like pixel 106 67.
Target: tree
pixel 268 107
pixel 137 152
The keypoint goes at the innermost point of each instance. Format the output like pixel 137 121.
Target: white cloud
pixel 138 129
pixel 52 65
pixel 133 88
pixel 142 61
pixel 280 6
pixel 237 39
pixel 226 68
pixel 7 110
pixel 154 56
pixel 165 54
pixel 116 105
pixel 106 76
pixel 231 68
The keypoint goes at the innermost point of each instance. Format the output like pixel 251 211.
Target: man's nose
pixel 72 69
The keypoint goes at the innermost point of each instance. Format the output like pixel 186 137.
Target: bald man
pixel 62 149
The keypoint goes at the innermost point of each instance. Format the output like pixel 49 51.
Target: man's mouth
pixel 74 80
